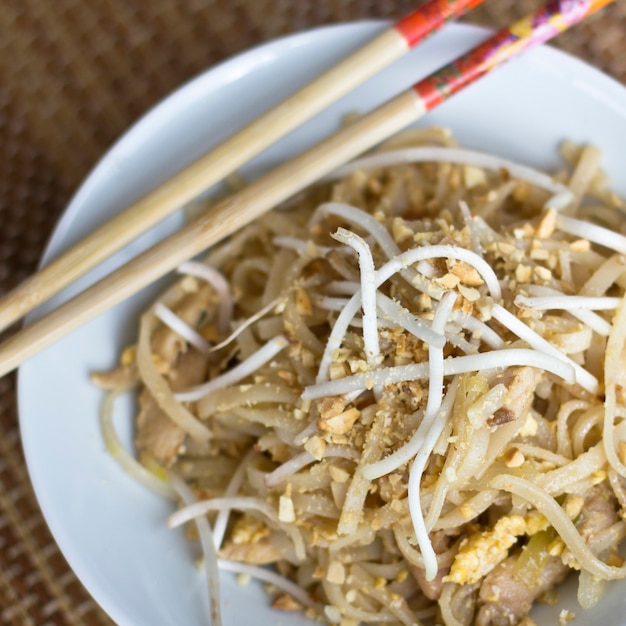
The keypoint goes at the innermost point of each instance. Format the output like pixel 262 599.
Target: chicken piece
pixel 156 435
pixel 521 383
pixel 506 600
pixel 597 513
pixel 190 370
pixel 122 377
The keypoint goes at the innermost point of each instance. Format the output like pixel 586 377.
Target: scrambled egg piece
pixel 535 523
pixel 481 552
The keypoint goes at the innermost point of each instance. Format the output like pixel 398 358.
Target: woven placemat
pixel 73 76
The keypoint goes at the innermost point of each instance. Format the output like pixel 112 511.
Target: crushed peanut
pixel 336 573
pixel 316 447
pixel 338 474
pixel 514 458
pixel 467 274
pixel 284 602
pixel 547 224
pixel 469 293
pixel 447 281
pixel 523 273
pixel 286 511
pixel 339 424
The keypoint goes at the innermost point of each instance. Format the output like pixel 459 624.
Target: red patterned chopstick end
pixel 430 17
pixel 546 22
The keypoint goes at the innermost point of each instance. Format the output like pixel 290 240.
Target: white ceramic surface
pixel 111 530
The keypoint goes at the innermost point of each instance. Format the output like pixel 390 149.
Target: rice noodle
pixel 586 169
pixel 119 452
pixel 590 590
pixel 208 549
pixel 243 326
pixel 447 364
pixel 447 593
pixel 338 599
pixel 469 509
pixel 221 521
pixel 608 273
pixel 540 453
pixel 588 423
pixel 228 398
pixel 613 368
pixel 359 485
pixel 413 556
pixel 584 378
pixel 395 606
pixel 296 463
pixel 564 444
pixel 271 577
pixel 159 388
pixel 342 287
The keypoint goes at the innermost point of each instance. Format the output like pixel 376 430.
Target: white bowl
pixel 111 530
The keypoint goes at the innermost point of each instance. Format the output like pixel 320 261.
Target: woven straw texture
pixel 74 75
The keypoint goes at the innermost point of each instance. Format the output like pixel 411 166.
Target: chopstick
pixel 209 169
pixel 292 176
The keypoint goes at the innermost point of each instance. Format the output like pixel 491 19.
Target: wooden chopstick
pixel 293 176
pixel 228 156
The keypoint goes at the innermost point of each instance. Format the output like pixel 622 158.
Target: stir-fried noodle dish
pixel 400 398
